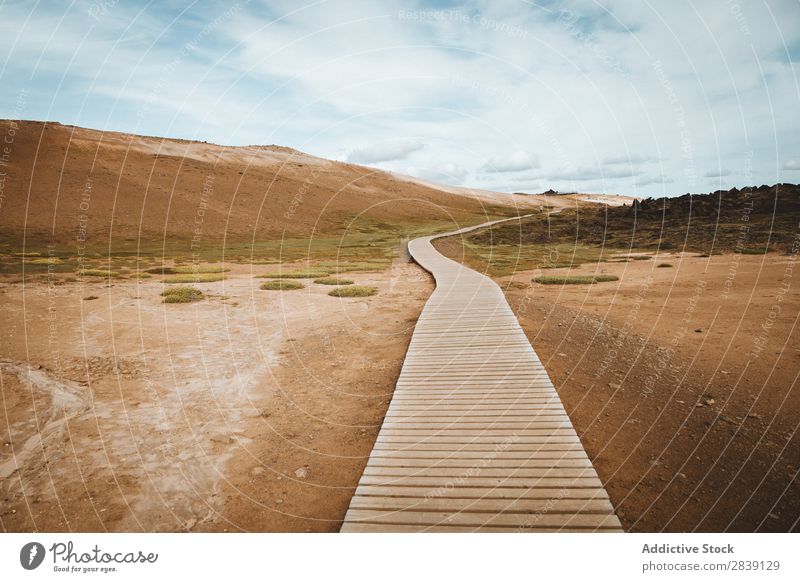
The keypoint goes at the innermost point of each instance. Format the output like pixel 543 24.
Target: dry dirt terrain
pixel 680 373
pixel 682 386
pixel 250 410
pixel 255 410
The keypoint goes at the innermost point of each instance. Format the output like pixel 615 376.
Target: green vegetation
pixel 574 279
pixel 358 243
pixel 198 278
pixel 182 295
pixel 354 291
pixel 500 259
pixel 295 274
pixel 45 261
pixel 98 273
pixel 704 224
pixel 281 285
pixel 333 281
pixel 350 266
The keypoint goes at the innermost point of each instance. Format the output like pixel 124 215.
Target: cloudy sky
pixel 634 97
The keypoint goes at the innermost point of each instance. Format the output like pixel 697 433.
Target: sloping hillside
pixel 63 183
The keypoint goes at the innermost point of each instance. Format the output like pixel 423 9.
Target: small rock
pixel 698 330
pixel 562 354
pixel 614 386
pixel 257 471
pixel 699 405
pixel 773 516
pixel 222 438
pixel 301 473
pixel 279 502
pixel 681 475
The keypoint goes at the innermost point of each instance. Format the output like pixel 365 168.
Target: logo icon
pixel 31 555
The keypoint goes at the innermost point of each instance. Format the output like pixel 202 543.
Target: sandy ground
pixel 682 383
pixel 251 410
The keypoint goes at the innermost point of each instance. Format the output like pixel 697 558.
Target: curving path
pixel 476 437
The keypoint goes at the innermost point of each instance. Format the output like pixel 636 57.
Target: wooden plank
pixel 478 519
pixel 475 437
pixel 484 505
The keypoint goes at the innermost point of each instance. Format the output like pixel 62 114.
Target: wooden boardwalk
pixel 475 437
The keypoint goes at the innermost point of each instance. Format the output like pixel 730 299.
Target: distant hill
pixel 748 220
pixel 62 182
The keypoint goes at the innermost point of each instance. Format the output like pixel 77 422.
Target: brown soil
pixel 250 410
pixel 683 384
pixel 62 181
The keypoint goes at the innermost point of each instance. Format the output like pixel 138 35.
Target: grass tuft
pixel 295 274
pixel 182 295
pixel 333 281
pixel 280 285
pixel 354 291
pixel 348 266
pixel 194 278
pixel 574 279
pixel 199 269
pixel 46 261
pixel 98 273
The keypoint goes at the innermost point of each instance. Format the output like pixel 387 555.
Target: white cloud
pixel 515 162
pixel 448 173
pixel 384 152
pixel 647 180
pixel 589 173
pixel 646 91
pixel 629 159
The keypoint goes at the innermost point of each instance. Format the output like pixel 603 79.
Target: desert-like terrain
pixel 249 409
pixel 150 383
pixel 681 373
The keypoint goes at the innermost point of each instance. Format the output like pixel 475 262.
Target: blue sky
pixel 635 97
